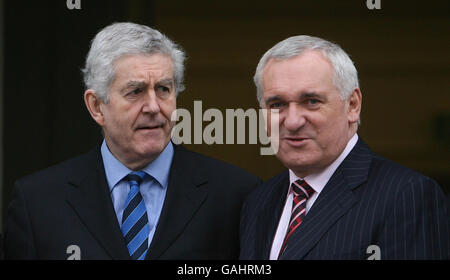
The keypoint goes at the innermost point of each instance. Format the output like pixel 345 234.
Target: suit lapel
pixel 270 215
pixel 186 192
pixel 90 198
pixel 333 202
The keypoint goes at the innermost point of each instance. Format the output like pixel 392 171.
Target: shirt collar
pixel 159 168
pixel 317 181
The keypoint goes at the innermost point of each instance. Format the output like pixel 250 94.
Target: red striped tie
pixel 302 191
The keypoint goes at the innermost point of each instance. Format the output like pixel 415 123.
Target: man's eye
pixel 313 101
pixel 136 91
pixel 275 105
pixel 163 89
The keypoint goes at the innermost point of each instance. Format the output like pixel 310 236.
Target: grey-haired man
pixel 137 195
pixel 337 200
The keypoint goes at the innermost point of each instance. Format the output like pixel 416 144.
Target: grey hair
pixel 345 75
pixel 120 39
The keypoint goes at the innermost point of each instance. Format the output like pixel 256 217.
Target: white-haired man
pixel 337 200
pixel 137 195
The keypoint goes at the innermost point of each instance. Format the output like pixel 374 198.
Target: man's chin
pixel 152 149
pixel 299 164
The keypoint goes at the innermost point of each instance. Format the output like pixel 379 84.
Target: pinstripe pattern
pixel 368 201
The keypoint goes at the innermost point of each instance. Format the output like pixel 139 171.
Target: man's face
pixel 314 123
pixel 142 97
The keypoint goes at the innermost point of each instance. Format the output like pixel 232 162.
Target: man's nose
pixel 294 118
pixel 151 103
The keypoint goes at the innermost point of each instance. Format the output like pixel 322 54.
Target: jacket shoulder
pixel 58 173
pixel 382 168
pixel 397 181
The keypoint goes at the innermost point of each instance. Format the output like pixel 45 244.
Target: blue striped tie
pixel 135 228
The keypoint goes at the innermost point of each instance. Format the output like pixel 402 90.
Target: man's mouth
pixel 295 140
pixel 150 127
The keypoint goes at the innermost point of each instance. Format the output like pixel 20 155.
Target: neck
pixel 135 163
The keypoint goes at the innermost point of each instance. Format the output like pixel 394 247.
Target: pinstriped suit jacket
pixel 369 200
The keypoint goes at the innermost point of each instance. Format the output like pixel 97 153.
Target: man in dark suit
pixel 137 195
pixel 338 200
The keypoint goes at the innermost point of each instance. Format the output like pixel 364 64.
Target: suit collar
pixel 88 194
pixel 335 200
pixel 186 192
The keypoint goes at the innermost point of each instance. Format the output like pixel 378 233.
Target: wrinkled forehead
pixel 144 66
pixel 311 67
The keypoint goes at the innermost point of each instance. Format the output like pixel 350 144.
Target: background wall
pixel 400 51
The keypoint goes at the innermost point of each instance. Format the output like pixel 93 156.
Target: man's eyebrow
pixel 310 95
pixel 165 82
pixel 304 95
pixel 273 98
pixel 134 84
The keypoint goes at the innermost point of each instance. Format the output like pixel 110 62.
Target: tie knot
pixel 135 177
pixel 302 189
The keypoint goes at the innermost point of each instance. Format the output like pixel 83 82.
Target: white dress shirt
pixel 317 182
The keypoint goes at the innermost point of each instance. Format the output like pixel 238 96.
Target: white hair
pixel 345 75
pixel 120 39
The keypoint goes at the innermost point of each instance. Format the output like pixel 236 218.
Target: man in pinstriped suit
pixel 358 204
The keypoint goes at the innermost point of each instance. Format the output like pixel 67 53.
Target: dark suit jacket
pixel 70 204
pixel 368 201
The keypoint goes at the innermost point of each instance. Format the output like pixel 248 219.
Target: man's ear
pixel 93 103
pixel 354 106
